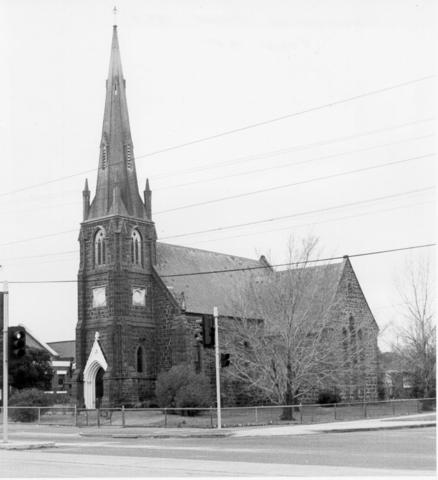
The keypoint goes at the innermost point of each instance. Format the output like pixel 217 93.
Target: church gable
pixel 350 296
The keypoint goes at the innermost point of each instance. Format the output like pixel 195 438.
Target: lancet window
pixel 100 247
pixel 136 248
pixel 140 359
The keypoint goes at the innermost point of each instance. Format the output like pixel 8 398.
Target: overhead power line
pixel 289 115
pixel 292 164
pixel 71 252
pixel 293 148
pixel 310 224
pixel 174 147
pixel 259 267
pixel 298 214
pixel 294 184
pixel 29 239
pixel 245 159
pixel 303 263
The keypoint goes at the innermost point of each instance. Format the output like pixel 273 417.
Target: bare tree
pixel 416 340
pixel 283 343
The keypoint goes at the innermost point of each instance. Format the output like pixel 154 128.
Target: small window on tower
pixel 99 247
pixel 136 255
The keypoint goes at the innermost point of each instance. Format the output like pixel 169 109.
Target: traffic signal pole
pixel 218 368
pixel 5 361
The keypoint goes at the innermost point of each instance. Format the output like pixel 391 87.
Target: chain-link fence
pixel 207 417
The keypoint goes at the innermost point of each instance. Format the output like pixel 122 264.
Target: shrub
pixel 326 397
pixel 182 387
pixel 195 394
pixel 28 397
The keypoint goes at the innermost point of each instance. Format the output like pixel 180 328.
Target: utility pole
pixel 5 295
pixel 218 367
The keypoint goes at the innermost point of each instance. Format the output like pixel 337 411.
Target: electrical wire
pixel 298 214
pixel 409 192
pixel 258 156
pixel 289 115
pixel 292 164
pixel 294 184
pixel 83 172
pixel 259 267
pixel 293 148
pixel 300 225
pixel 70 252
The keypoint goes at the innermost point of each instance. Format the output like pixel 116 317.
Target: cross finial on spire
pixel 115 11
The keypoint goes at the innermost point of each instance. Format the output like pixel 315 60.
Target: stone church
pixel 135 318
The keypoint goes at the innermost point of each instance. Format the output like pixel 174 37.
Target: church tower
pixel 115 333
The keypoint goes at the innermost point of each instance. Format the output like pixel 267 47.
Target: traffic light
pixel 17 342
pixel 204 333
pixel 208 332
pixel 225 360
pixel 198 331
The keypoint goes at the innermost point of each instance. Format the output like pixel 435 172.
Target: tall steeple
pixel 116 178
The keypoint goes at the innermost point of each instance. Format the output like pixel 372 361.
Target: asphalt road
pixel 385 452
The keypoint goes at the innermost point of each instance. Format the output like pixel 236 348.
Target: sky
pixel 349 84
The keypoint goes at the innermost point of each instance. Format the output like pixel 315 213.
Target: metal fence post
pixel 365 410
pixel 256 415
pixel 211 417
pixel 123 415
pixel 76 416
pixel 335 411
pixel 165 417
pixel 98 417
pixel 301 413
pixel 39 415
pixel 393 408
pixel 86 415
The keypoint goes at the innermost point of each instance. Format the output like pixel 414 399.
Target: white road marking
pixel 44 464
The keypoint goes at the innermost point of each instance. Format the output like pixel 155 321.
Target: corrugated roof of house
pixel 64 348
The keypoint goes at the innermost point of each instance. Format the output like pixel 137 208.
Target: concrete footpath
pixel 390 423
pixel 406 421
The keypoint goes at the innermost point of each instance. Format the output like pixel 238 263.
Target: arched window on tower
pixel 136 257
pixel 100 247
pixel 140 360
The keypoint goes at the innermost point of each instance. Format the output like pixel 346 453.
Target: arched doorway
pixel 93 376
pixel 99 387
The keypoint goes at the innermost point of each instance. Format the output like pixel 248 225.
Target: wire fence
pixel 207 417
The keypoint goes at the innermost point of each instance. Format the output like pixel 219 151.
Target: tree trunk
pixel 288 411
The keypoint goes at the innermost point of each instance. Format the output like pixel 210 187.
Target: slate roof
pixel 203 292
pixel 65 349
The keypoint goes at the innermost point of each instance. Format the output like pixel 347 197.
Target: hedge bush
pixel 181 387
pixel 28 397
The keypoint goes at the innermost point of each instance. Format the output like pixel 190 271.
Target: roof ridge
pixel 60 341
pixel 210 251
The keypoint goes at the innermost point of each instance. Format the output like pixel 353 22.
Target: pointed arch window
pixel 100 247
pixel 140 359
pixel 136 254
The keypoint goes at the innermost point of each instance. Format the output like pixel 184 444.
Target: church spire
pixel 116 163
